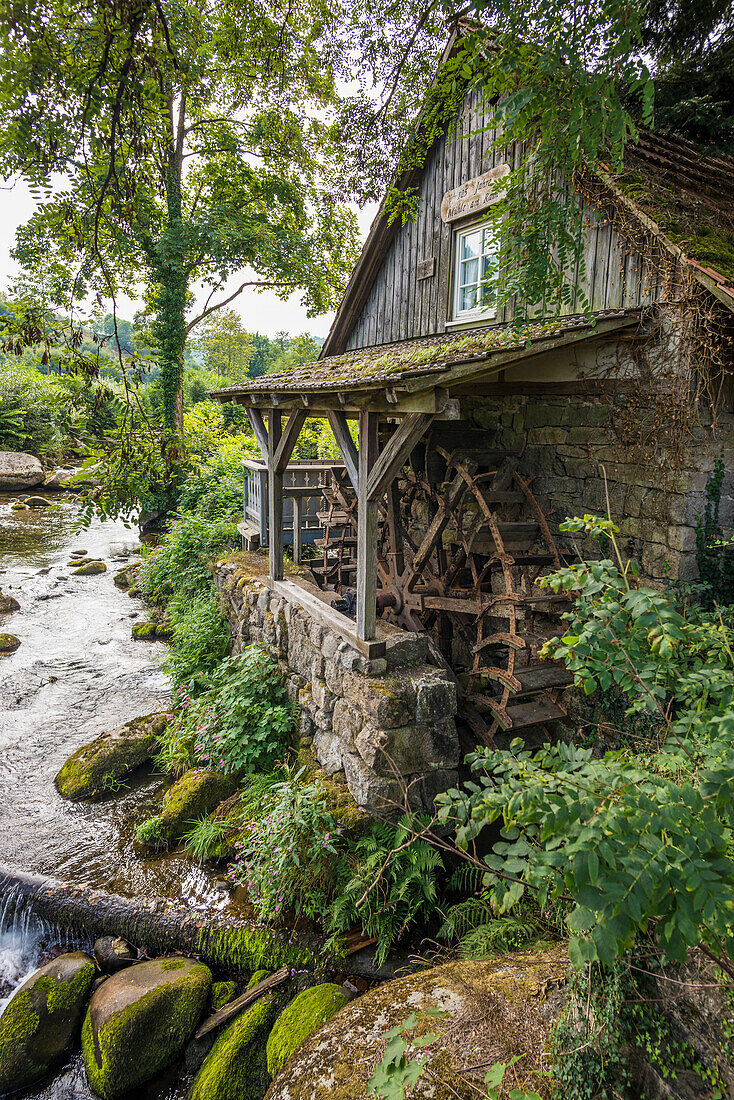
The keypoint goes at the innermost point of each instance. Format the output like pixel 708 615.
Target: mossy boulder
pixel 90 569
pixel 222 994
pixel 122 578
pixel 236 1064
pixel 143 632
pixel 8 604
pixel 305 1014
pixel 98 767
pixel 496 1009
pixel 42 1020
pixel 195 794
pixel 8 643
pixel 140 1020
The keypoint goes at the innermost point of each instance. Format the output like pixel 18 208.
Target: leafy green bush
pixel 390 884
pixel 33 409
pixel 290 859
pixel 241 717
pixel 200 636
pixel 181 563
pixel 214 488
pixel 632 846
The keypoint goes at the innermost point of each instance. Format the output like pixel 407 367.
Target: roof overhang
pixel 428 390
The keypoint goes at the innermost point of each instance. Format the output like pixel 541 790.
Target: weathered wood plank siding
pixel 402 307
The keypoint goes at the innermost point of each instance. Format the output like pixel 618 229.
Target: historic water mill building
pixel 473 444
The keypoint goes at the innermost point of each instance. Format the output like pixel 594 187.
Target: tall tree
pixel 197 145
pixel 228 348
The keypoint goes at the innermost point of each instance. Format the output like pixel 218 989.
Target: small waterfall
pixel 27 941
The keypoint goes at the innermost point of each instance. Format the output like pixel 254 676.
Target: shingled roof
pixel 376 367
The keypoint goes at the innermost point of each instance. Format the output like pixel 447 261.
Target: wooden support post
pixel 366 529
pixel 340 427
pixel 296 529
pixel 275 498
pixel 258 426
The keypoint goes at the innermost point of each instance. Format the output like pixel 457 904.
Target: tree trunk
pixel 171 277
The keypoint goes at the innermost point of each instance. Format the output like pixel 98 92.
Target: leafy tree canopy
pixel 226 345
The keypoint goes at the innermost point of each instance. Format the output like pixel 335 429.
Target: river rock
pixel 140 1020
pixel 90 569
pixel 37 502
pixel 8 643
pixel 19 470
pixel 97 767
pixel 196 793
pixel 222 994
pixel 42 1020
pixel 55 479
pixel 304 1015
pixel 496 1009
pixel 8 604
pixel 112 953
pixel 236 1064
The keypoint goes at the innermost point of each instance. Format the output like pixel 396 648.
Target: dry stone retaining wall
pixel 382 724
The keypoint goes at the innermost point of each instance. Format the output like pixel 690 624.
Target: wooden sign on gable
pixel 475 195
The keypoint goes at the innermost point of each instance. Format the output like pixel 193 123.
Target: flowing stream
pixel 77 672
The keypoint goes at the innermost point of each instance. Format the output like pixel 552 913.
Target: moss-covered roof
pixel 689 195
pixel 389 363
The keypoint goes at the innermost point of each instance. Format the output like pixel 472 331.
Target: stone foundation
pixel 384 725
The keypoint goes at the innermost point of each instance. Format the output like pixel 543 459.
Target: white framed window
pixel 475 262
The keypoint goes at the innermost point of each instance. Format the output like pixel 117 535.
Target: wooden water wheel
pixel 462 544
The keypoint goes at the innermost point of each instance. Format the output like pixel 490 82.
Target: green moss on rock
pixel 90 569
pixel 98 767
pixel 8 643
pixel 307 1012
pixel 236 1065
pixel 195 794
pixel 144 632
pixel 257 977
pixel 42 1020
pixel 222 994
pixel 140 1020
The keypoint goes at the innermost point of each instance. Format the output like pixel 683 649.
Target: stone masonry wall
pixel 566 440
pixel 380 724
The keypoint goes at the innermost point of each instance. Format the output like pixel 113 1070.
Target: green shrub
pixel 176 751
pixel 33 409
pixel 181 563
pixel 290 860
pixel 241 716
pixel 214 488
pixel 199 636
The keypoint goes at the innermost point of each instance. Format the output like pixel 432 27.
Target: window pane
pixel 471 244
pixel 468 298
pixel 469 272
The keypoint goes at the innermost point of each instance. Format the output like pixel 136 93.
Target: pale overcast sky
pixel 262 313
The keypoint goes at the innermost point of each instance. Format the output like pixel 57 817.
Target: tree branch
pixel 212 309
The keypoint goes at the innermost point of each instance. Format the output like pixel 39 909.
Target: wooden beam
pixel 288 440
pixel 328 616
pixel 340 427
pixel 275 499
pixel 297 521
pixel 396 453
pixel 261 432
pixel 367 528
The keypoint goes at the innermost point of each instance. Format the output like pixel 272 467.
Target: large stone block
pixel 370 791
pixel 406 648
pixel 347 720
pixel 409 749
pixel 436 698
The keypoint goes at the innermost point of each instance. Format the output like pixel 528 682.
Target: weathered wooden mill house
pixel 474 443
